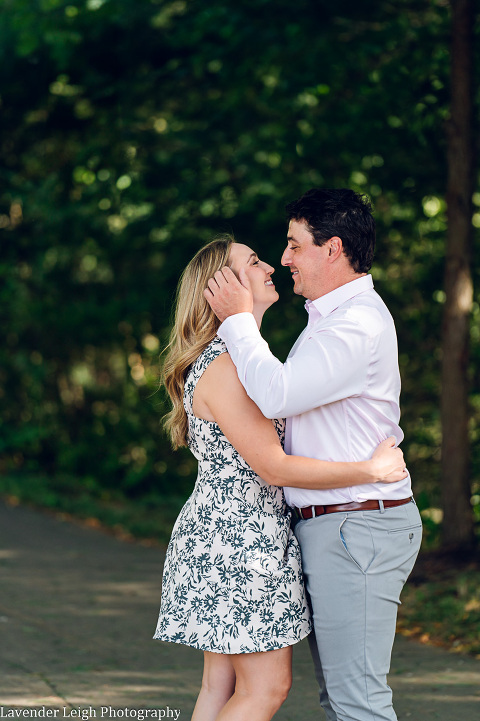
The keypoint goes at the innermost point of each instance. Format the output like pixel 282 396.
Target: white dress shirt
pixel 338 389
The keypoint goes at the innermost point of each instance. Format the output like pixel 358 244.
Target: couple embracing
pixel 297 527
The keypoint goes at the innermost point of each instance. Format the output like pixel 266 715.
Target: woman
pixel 232 583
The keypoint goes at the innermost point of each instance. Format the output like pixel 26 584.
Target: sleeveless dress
pixel 232 579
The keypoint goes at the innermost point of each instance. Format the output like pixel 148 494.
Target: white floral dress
pixel 232 580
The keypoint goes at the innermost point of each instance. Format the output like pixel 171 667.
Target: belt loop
pixel 381 507
pixel 313 512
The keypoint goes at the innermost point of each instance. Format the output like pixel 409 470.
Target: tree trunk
pixel 457 532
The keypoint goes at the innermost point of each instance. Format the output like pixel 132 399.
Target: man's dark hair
pixel 343 213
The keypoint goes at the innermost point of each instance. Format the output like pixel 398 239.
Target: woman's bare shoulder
pixel 221 370
pixel 219 383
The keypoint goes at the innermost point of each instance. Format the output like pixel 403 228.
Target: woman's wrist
pixel 372 470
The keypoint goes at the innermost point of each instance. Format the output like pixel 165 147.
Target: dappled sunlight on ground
pixel 78 609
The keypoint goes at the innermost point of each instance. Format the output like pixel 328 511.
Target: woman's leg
pixel 218 685
pixel 263 681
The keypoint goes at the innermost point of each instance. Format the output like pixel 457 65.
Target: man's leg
pixel 355 567
pixel 330 714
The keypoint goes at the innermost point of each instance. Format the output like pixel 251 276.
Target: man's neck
pixel 337 283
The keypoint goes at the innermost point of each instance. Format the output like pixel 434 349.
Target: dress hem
pixel 291 642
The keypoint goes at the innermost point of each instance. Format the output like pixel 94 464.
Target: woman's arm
pixel 220 396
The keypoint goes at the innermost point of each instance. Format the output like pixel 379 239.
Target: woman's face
pixel 258 272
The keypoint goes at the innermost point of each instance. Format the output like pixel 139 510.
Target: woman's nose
pixel 267 268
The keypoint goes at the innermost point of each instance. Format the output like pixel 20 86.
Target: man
pixel 339 390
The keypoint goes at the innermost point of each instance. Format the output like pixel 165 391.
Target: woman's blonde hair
pixel 195 325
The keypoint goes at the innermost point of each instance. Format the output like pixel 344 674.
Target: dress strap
pixel 215 348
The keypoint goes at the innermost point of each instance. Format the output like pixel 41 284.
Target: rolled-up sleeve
pixel 330 364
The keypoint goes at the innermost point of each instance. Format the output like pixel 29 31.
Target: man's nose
pixel 286 259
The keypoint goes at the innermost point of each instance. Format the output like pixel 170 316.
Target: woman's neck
pixel 258 315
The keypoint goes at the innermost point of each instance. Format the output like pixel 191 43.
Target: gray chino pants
pixel 355 566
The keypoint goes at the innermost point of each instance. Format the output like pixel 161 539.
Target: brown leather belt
pixel 314 511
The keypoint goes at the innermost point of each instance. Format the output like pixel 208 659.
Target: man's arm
pixel 330 365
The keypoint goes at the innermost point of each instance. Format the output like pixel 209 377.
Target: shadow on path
pixel 78 609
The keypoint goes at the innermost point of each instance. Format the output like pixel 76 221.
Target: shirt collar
pixel 326 304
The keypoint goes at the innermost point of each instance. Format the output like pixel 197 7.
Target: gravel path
pixel 77 612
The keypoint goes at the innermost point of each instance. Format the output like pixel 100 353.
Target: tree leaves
pixel 131 133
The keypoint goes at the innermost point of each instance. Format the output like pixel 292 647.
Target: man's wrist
pixel 237 326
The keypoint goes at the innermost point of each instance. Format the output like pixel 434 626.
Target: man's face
pixel 307 262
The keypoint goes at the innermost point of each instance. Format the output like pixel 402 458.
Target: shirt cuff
pixel 238 326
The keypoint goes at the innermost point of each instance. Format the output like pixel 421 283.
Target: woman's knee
pixel 268 678
pixel 270 696
pixel 280 686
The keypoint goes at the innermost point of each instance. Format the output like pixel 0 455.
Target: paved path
pixel 77 612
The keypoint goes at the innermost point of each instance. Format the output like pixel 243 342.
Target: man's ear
pixel 335 249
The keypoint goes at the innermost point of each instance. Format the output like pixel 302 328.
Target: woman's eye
pixel 255 262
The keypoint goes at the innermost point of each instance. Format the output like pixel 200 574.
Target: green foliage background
pixel 133 132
